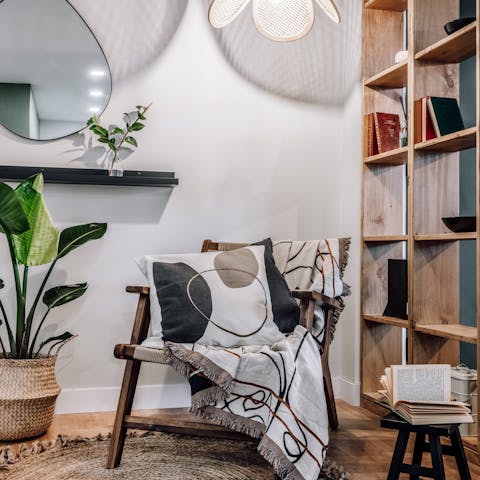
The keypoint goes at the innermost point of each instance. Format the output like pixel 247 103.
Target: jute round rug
pixel 146 457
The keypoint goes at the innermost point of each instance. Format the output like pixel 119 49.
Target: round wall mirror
pixel 54 74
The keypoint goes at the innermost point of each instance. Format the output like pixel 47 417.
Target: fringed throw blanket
pixel 270 392
pixel 315 265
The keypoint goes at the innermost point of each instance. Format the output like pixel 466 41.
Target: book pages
pixel 421 383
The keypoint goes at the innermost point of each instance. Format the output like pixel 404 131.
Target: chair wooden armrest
pixel 124 351
pixel 316 296
pixel 138 289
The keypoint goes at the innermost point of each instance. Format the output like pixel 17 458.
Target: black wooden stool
pixel 434 432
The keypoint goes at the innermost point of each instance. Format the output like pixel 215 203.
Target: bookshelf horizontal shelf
pixel 393 77
pixel 461 333
pixel 385 238
pixel 453 142
pixel 397 322
pixel 452 49
pixel 392 5
pixel 393 157
pixel 445 237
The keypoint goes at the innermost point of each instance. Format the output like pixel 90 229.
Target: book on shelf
pixel 424 129
pixel 370 137
pixel 421 394
pixel 382 132
pixel 445 115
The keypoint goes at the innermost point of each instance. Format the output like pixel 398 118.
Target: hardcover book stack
pixel 382 132
pixel 435 117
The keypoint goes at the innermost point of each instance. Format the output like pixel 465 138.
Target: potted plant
pixel 28 388
pixel 115 137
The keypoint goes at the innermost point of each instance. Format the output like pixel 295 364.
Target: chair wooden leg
pixel 125 402
pixel 329 396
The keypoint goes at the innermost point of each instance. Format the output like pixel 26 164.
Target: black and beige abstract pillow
pixel 215 298
pixel 286 312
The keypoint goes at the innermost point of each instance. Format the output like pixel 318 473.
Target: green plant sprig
pixel 114 137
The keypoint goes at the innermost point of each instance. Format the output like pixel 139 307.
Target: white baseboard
pixel 347 390
pixel 105 399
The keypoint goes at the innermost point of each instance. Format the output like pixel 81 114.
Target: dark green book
pixel 445 115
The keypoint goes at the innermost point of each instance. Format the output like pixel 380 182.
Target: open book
pixel 421 395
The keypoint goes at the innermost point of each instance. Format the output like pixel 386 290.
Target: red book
pixel 387 131
pixel 428 130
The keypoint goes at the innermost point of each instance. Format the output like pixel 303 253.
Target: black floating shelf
pixel 89 176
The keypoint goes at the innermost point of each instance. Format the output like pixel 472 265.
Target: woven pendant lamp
pixel 278 20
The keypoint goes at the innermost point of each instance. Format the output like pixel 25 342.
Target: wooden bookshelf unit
pixel 407 191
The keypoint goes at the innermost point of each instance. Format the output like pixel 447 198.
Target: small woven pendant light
pixel 278 20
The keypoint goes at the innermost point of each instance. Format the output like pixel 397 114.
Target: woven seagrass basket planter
pixel 28 392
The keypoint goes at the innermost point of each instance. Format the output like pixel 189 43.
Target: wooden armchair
pixel 180 420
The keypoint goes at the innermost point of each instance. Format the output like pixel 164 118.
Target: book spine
pixel 417 119
pixel 377 132
pixel 433 117
pixel 370 134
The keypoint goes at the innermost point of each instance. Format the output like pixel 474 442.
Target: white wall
pixel 250 165
pixel 346 349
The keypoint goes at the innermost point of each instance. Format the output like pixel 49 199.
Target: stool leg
pixel 418 452
pixel 460 456
pixel 398 455
pixel 437 459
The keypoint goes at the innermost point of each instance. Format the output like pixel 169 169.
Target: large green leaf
pixel 73 237
pixel 57 296
pixel 38 245
pixel 12 215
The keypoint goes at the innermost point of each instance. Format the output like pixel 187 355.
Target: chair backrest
pixel 210 246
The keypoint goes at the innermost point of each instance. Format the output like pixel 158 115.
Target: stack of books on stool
pixel 421 394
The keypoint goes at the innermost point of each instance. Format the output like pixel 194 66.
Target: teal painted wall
pixel 15 107
pixel 468 274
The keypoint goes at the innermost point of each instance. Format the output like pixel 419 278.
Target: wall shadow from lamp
pixel 133 33
pixel 306 70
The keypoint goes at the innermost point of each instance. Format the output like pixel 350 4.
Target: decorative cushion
pixel 286 312
pixel 214 298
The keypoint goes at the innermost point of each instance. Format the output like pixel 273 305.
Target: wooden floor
pixel 360 445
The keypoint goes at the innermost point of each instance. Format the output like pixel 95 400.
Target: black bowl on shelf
pixel 454 25
pixel 461 224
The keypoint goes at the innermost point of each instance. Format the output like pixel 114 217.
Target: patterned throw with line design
pixel 275 392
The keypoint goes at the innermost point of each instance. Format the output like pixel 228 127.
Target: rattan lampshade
pixel 278 20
